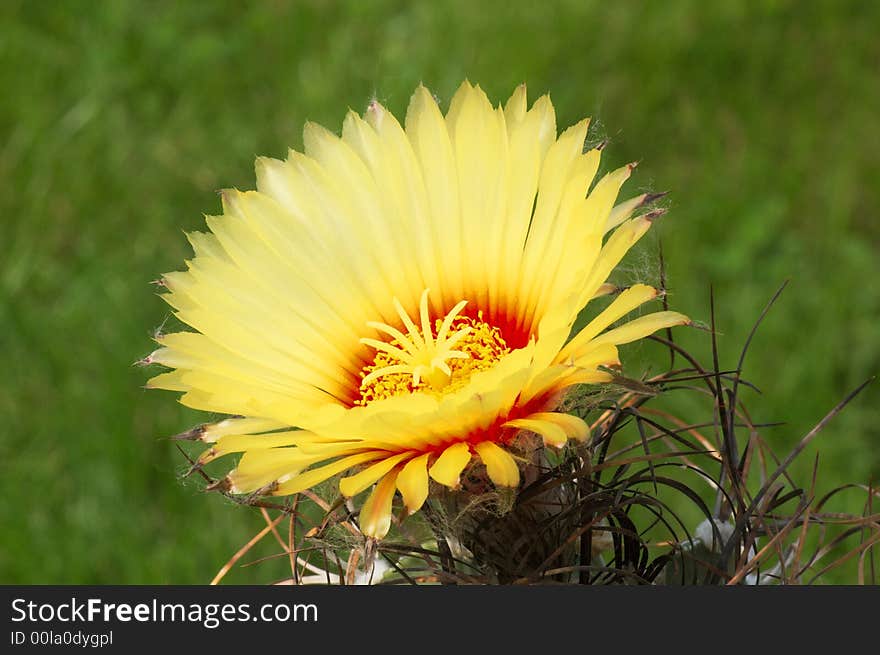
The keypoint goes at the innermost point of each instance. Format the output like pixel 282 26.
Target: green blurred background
pixel 119 120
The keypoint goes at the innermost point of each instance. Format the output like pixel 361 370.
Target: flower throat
pixel 434 359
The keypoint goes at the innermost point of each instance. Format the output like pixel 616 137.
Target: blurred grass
pixel 118 121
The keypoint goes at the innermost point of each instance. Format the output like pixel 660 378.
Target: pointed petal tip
pixel 229 198
pixel 208 455
pixel 264 166
pixel 260 162
pixel 413 484
pixel 193 434
pixel 375 516
pixel 265 490
pixel 652 292
pixel 501 466
pixel 653 215
pixel 311 130
pixel 653 197
pixel 448 467
pixel 222 485
pixel 422 92
pixel 196 466
pixel 374 107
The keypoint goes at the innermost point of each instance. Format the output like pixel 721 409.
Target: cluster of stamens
pixel 436 358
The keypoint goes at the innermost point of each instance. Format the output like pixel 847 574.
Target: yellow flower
pixel 396 304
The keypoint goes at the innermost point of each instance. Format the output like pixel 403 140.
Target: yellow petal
pixel 448 467
pixel 354 484
pixel 248 425
pixel 561 161
pixel 642 327
pixel 305 228
pixel 554 427
pixel 500 465
pixel 575 232
pixel 228 395
pixel 560 376
pixel 349 171
pixel 239 443
pixel 412 482
pixel 257 468
pixel 601 354
pixel 622 239
pixel 479 139
pixel 315 476
pixel 375 516
pixel 605 290
pixel 171 381
pixel 583 376
pixel 529 138
pixel 516 106
pixel 622 211
pixel 429 136
pixel 392 201
pixel 624 303
pixel 599 203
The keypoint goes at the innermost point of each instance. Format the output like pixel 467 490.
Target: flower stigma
pixel 437 359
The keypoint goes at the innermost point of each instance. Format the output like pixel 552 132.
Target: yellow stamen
pixel 435 360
